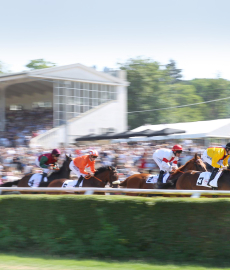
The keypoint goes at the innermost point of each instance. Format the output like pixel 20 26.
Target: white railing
pixel 91 190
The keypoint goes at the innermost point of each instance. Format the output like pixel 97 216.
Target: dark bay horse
pixel 101 177
pixel 63 172
pixel 139 180
pixel 188 181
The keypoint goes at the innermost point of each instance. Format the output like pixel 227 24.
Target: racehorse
pixel 101 177
pixel 139 180
pixel 188 181
pixel 63 172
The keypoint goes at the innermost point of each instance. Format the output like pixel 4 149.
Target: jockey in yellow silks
pixel 217 157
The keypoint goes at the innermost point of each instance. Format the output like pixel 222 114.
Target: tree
pixel 211 89
pixel 180 95
pixel 154 91
pixel 39 64
pixel 173 73
pixel 144 91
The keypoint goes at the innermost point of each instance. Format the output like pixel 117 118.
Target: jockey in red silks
pixel 163 157
pixel 79 164
pixel 45 161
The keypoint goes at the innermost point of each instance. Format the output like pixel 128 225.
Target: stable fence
pixel 117 191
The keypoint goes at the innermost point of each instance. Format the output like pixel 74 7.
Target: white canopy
pixel 219 128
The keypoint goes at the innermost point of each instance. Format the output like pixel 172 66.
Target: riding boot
pixel 160 179
pixel 79 181
pixel 43 177
pixel 213 174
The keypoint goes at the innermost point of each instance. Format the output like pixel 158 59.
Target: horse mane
pixel 103 169
pixel 183 166
pixel 67 158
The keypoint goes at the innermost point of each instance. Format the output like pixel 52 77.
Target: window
pixel 15 107
pixel 78 97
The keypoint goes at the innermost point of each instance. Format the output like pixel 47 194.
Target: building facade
pixel 83 100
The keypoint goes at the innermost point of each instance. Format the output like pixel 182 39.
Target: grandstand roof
pixel 42 79
pixel 219 128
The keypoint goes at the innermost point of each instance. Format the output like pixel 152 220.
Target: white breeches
pixel 162 165
pixel 75 170
pixel 45 170
pixel 208 159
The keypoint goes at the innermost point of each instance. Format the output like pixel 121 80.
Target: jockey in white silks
pixel 163 157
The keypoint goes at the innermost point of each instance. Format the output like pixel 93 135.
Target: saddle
pixel 35 180
pixel 152 179
pixel 204 177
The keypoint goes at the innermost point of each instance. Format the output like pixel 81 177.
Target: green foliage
pixel 39 64
pixel 179 230
pixel 210 89
pixel 153 88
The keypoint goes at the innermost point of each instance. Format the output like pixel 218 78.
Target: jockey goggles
pixel 57 155
pixel 178 151
pixel 94 156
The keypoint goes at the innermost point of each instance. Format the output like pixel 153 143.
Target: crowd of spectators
pixel 127 158
pixel 22 125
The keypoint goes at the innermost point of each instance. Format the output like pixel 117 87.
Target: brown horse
pixel 139 180
pixel 102 176
pixel 64 172
pixel 188 181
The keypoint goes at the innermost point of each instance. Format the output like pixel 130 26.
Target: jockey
pixel 45 161
pixel 78 165
pixel 217 157
pixel 163 157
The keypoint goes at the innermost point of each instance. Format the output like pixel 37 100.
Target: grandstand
pixel 60 103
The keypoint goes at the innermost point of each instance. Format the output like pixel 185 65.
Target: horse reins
pixel 184 172
pixel 88 177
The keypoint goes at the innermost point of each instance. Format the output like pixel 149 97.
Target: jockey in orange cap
pixel 163 157
pixel 78 165
pixel 46 161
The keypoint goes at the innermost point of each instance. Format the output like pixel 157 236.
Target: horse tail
pixel 124 183
pixel 10 184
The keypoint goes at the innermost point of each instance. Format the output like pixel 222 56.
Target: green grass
pixel 23 262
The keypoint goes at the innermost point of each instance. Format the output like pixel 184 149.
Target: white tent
pixel 219 128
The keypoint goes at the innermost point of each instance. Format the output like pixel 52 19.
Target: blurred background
pixel 125 78
pixel 76 69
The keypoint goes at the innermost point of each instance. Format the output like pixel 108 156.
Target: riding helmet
pixel 56 152
pixel 93 153
pixel 177 148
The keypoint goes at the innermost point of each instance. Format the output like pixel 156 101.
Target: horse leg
pixel 24 183
pixel 134 182
pixel 56 183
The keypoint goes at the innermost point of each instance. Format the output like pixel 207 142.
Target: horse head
pixel 64 169
pixel 106 174
pixel 197 164
pixel 194 164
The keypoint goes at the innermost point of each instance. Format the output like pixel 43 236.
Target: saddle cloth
pixel 204 177
pixel 71 184
pixel 35 180
pixel 153 178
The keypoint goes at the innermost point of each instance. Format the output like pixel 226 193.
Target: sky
pixel 104 33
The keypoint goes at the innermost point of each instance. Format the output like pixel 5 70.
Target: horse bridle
pixel 110 180
pixel 197 167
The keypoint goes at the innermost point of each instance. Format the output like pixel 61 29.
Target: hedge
pixel 169 229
